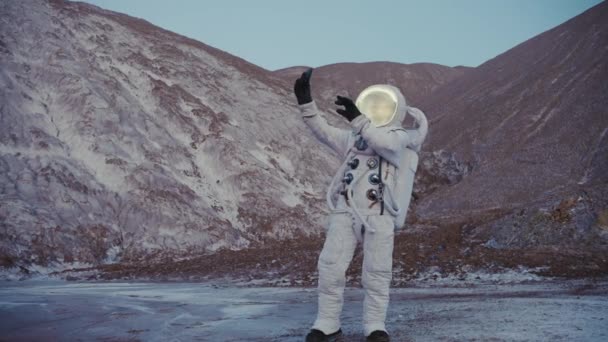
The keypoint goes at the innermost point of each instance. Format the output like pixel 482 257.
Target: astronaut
pixel 368 199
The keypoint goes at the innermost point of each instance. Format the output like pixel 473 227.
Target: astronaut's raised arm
pixel 336 138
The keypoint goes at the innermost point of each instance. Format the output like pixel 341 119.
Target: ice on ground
pixel 550 310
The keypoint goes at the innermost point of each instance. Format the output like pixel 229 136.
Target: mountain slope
pixel 121 139
pixel 532 121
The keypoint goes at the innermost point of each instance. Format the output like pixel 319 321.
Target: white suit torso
pixel 396 146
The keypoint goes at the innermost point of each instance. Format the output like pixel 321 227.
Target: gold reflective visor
pixel 378 103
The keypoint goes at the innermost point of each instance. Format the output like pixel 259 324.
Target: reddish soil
pixel 293 262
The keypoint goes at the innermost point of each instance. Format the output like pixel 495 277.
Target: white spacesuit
pixel 368 199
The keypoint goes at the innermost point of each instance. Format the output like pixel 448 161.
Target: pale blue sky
pixel 279 33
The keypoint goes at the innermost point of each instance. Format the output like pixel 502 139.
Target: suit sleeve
pixel 389 141
pixel 336 138
pixel 419 134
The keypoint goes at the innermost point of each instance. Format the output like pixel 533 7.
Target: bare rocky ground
pixel 573 310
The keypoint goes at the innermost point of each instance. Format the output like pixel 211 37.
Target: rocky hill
pixel 120 140
pixel 125 144
pixel 531 123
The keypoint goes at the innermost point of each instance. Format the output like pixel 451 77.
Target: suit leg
pixel 336 255
pixel 377 271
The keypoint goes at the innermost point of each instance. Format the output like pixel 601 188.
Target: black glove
pixel 302 87
pixel 351 111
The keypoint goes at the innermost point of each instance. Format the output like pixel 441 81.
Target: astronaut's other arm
pixel 418 134
pixel 388 141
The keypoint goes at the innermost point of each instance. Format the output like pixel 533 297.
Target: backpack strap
pixel 380 186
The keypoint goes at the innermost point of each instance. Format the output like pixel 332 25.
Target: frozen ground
pixel 64 311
